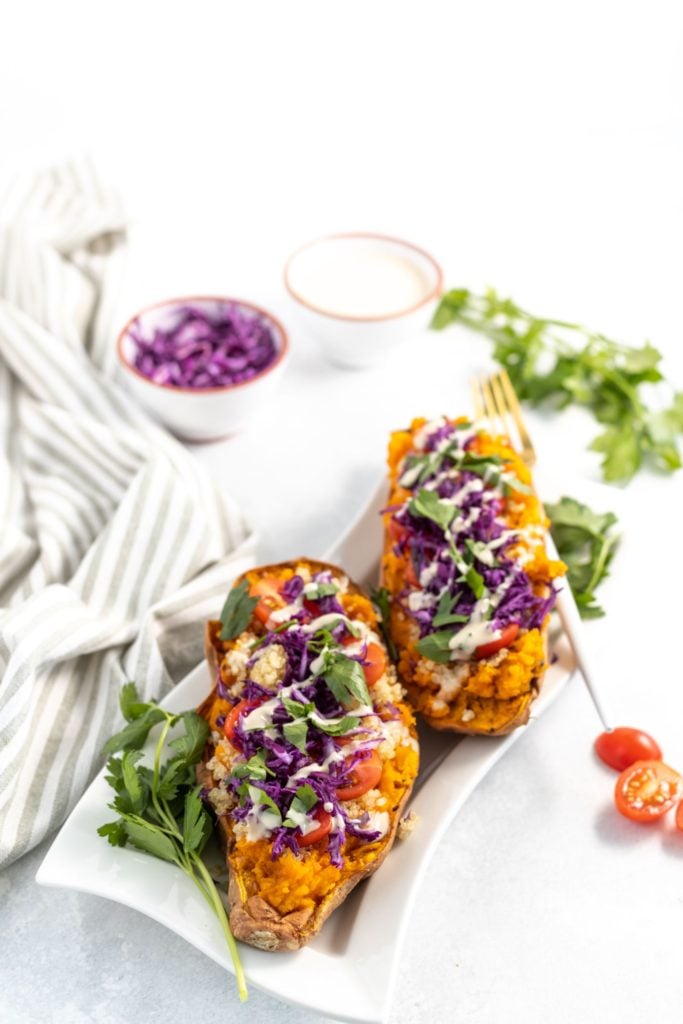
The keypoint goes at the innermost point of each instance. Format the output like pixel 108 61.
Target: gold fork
pixel 496 403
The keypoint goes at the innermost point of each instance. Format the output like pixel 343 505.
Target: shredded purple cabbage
pixel 209 345
pixel 426 544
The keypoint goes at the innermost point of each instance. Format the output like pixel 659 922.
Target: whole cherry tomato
pixel 620 747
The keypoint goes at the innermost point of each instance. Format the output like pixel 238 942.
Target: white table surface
pixel 534 148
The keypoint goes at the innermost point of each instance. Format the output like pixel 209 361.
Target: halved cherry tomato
pixel 397 531
pixel 364 776
pixel 411 575
pixel 504 640
pixel 312 607
pixel 679 816
pixel 324 826
pixel 622 746
pixel 233 717
pixel 646 790
pixel 375 662
pixel 270 598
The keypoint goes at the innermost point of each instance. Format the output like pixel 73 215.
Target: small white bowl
pixel 200 414
pixel 361 295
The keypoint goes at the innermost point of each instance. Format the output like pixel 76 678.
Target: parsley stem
pixel 164 815
pixel 215 901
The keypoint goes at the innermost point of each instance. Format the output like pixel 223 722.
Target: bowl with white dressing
pixel 361 295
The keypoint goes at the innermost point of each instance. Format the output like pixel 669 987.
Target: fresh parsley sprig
pixel 160 808
pixel 559 363
pixel 586 542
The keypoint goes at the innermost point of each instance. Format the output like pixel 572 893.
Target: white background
pixel 537 147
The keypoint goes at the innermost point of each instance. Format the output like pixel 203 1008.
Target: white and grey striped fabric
pixel 115 545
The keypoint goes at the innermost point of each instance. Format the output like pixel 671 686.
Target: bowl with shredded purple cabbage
pixel 202 365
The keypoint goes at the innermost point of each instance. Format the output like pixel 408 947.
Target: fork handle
pixel 573 628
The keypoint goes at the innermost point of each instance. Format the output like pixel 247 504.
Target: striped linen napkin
pixel 115 545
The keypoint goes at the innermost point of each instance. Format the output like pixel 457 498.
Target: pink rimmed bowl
pixel 200 413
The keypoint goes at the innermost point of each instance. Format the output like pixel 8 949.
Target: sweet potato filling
pixel 295 883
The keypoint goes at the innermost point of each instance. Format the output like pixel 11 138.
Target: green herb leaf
pixel 131 781
pixel 475 581
pixel 296 732
pixel 254 768
pixel 444 612
pixel 190 745
pixel 260 798
pixel 316 591
pixel 174 775
pixel 134 735
pixel 436 647
pixel 429 505
pixel 304 799
pixel 114 832
pixel 334 726
pixel 131 705
pixel 149 837
pixel 585 541
pixel 237 611
pixel 381 598
pixel 346 679
pixel 295 707
pixel 196 823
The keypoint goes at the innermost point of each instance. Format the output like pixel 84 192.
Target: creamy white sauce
pixel 479 629
pixel 428 574
pixel 358 277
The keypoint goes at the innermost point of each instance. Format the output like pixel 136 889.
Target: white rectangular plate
pixel 348 971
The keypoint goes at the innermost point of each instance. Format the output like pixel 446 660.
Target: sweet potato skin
pixel 252 919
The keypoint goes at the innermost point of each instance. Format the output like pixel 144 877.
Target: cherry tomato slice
pixel 270 598
pixel 364 776
pixel 312 607
pixel 504 640
pixel 646 790
pixel 411 575
pixel 375 663
pixel 679 816
pixel 233 717
pixel 397 531
pixel 622 746
pixel 324 826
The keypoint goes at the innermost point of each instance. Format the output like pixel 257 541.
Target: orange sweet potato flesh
pixel 278 905
pixel 496 696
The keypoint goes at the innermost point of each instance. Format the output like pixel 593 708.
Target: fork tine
pixel 477 402
pixel 488 400
pixel 516 413
pixel 502 408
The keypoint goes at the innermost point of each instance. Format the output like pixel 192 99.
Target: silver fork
pixel 496 403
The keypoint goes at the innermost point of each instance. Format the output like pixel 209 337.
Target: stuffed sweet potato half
pixel 313 749
pixel 469 580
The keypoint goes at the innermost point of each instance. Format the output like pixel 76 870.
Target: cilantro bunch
pixel 160 808
pixel 559 363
